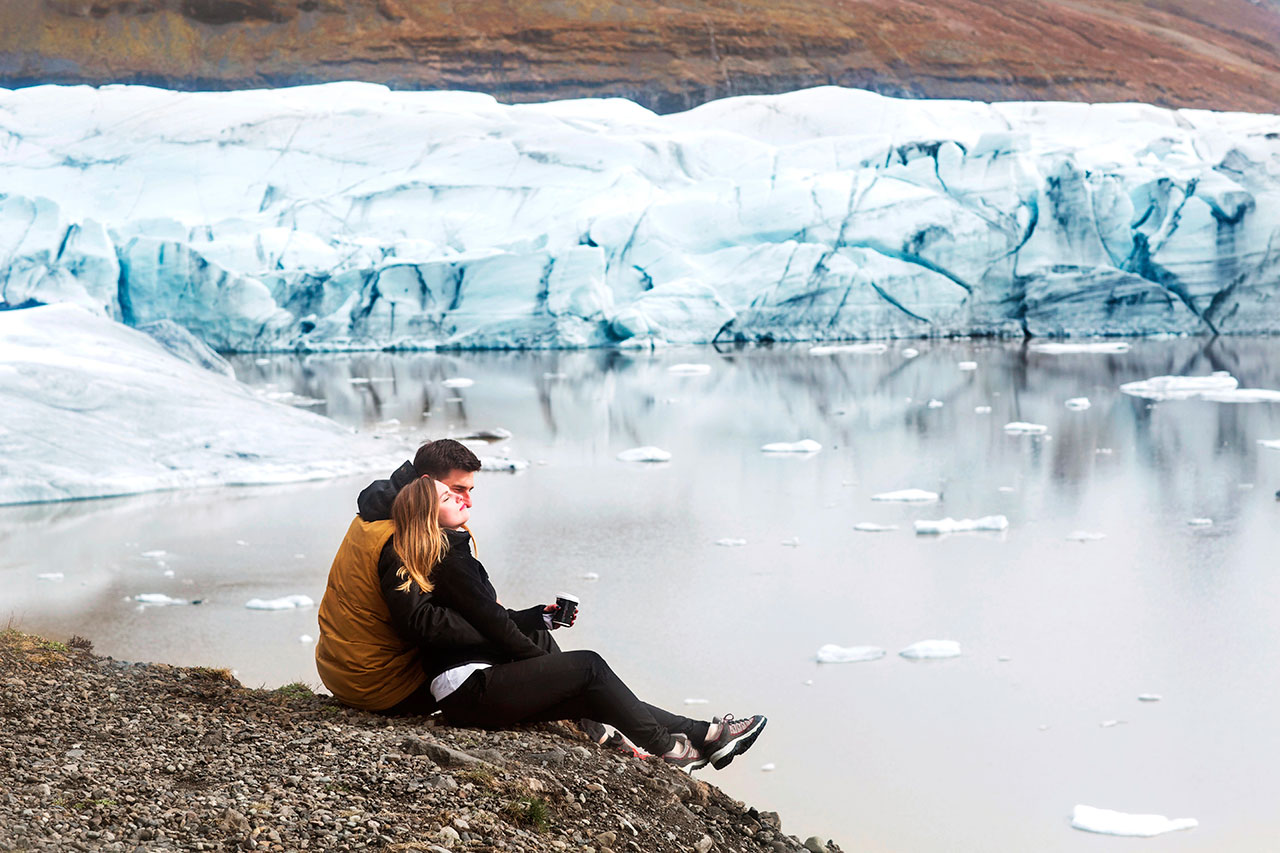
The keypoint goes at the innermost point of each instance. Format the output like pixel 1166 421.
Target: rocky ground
pixel 100 754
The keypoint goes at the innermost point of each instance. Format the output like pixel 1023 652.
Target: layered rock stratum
pixel 667 56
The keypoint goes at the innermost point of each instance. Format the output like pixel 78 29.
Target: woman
pixel 507 678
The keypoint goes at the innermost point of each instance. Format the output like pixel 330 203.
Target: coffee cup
pixel 566 609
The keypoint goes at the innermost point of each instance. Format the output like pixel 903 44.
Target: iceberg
pixel 831 653
pixel 907 496
pixel 964 525
pixel 931 649
pixel 288 602
pixel 804 445
pixel 648 453
pixel 158 422
pixel 348 216
pixel 1110 822
pixel 1181 387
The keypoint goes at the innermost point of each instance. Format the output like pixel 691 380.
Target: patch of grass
pixel 480 776
pixel 208 673
pixel 529 812
pixel 30 648
pixel 294 690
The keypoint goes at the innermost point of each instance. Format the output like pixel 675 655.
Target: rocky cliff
pixel 668 56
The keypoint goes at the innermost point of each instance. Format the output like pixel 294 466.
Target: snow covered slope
pixel 348 216
pixel 92 408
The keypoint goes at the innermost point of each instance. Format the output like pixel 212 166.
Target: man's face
pixel 460 483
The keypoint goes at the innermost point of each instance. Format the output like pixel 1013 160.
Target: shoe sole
pixel 721 758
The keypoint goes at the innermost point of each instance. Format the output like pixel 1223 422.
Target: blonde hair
pixel 418 541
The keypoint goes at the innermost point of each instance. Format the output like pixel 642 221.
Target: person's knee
pixel 590 660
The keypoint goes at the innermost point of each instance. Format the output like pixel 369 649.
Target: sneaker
pixel 684 755
pixel 620 743
pixel 734 737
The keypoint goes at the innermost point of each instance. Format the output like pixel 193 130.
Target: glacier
pixel 347 216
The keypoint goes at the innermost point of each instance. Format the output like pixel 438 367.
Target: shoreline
pixel 110 755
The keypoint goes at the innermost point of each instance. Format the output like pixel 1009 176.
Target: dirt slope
pixel 1218 54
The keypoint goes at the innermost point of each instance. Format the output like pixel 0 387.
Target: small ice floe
pixel 168 573
pixel 241 543
pixel 554 376
pixel 458 382
pixel 1004 659
pixel 1085 536
pixel 1078 404
pixel 155 555
pixel 872 527
pixel 1024 428
pixel 804 445
pixel 1074 349
pixel 359 380
pixel 453 399
pixel 768 768
pixel 1149 697
pixel 962 525
pixel 389 425
pixel 831 653
pixel 968 365
pixel 490 435
pixel 808 682
pixel 689 369
pixel 834 349
pixel 793 542
pixel 159 599
pixel 914 496
pixel 288 602
pixel 306 638
pixel 1108 822
pixel 910 352
pixel 1243 395
pixel 1103 451
pixel 503 463
pixel 728 542
pixel 261 361
pixel 1272 443
pixel 1008 490
pixel 299 556
pixel 50 576
pixel 931 649
pixel 1180 387
pixel 935 404
pixel 696 701
pixel 982 410
pixel 647 453
pixel 1200 522
pixel 591 576
pixel 1111 724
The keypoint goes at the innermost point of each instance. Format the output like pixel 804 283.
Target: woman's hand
pixel 550 610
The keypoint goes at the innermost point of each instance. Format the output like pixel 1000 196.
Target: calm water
pixel 975 753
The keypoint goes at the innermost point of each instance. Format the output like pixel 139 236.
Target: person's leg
pixel 561 686
pixel 543 640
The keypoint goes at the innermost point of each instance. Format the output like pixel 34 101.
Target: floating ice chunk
pixel 458 382
pixel 1024 428
pixel 731 543
pixel 591 576
pixel 50 576
pixel 1108 822
pixel 968 365
pixel 155 555
pixel 1075 349
pixel 831 653
pixel 804 445
pixel 1110 724
pixel 835 349
pixel 768 768
pixel 1273 443
pixel 1008 490
pixel 490 435
pixel 1078 404
pixel 288 602
pixel 689 369
pixel 1085 536
pixel 696 701
pixel 306 638
pixel 359 380
pixel 261 361
pixel 928 649
pixel 241 542
pixel 1104 451
pixel 1243 395
pixel 389 425
pixel 1149 697
pixel 160 599
pixel 935 404
pixel 1180 387
pixel 503 463
pixel 910 352
pixel 793 542
pixel 963 525
pixel 168 573
pixel 982 410
pixel 915 496
pixel 872 527
pixel 554 376
pixel 647 453
pixel 1004 659
pixel 1200 522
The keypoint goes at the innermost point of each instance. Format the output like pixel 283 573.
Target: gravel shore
pixel 100 754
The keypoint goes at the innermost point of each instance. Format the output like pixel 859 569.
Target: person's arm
pixel 531 619
pixel 416 618
pixel 461 580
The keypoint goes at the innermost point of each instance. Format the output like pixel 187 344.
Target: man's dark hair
pixel 437 458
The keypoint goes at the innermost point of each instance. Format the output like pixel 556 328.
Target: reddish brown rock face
pixel 1213 54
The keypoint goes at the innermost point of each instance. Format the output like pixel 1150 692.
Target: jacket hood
pixel 374 503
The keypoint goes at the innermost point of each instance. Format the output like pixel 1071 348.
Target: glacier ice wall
pixel 349 216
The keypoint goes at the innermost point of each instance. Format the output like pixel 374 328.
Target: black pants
pixel 564 686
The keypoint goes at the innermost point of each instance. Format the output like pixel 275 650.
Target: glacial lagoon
pixel 1138 561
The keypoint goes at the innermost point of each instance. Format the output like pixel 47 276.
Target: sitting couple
pixel 410 622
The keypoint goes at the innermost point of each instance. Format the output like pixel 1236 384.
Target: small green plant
pixel 530 812
pixel 294 690
pixel 480 776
